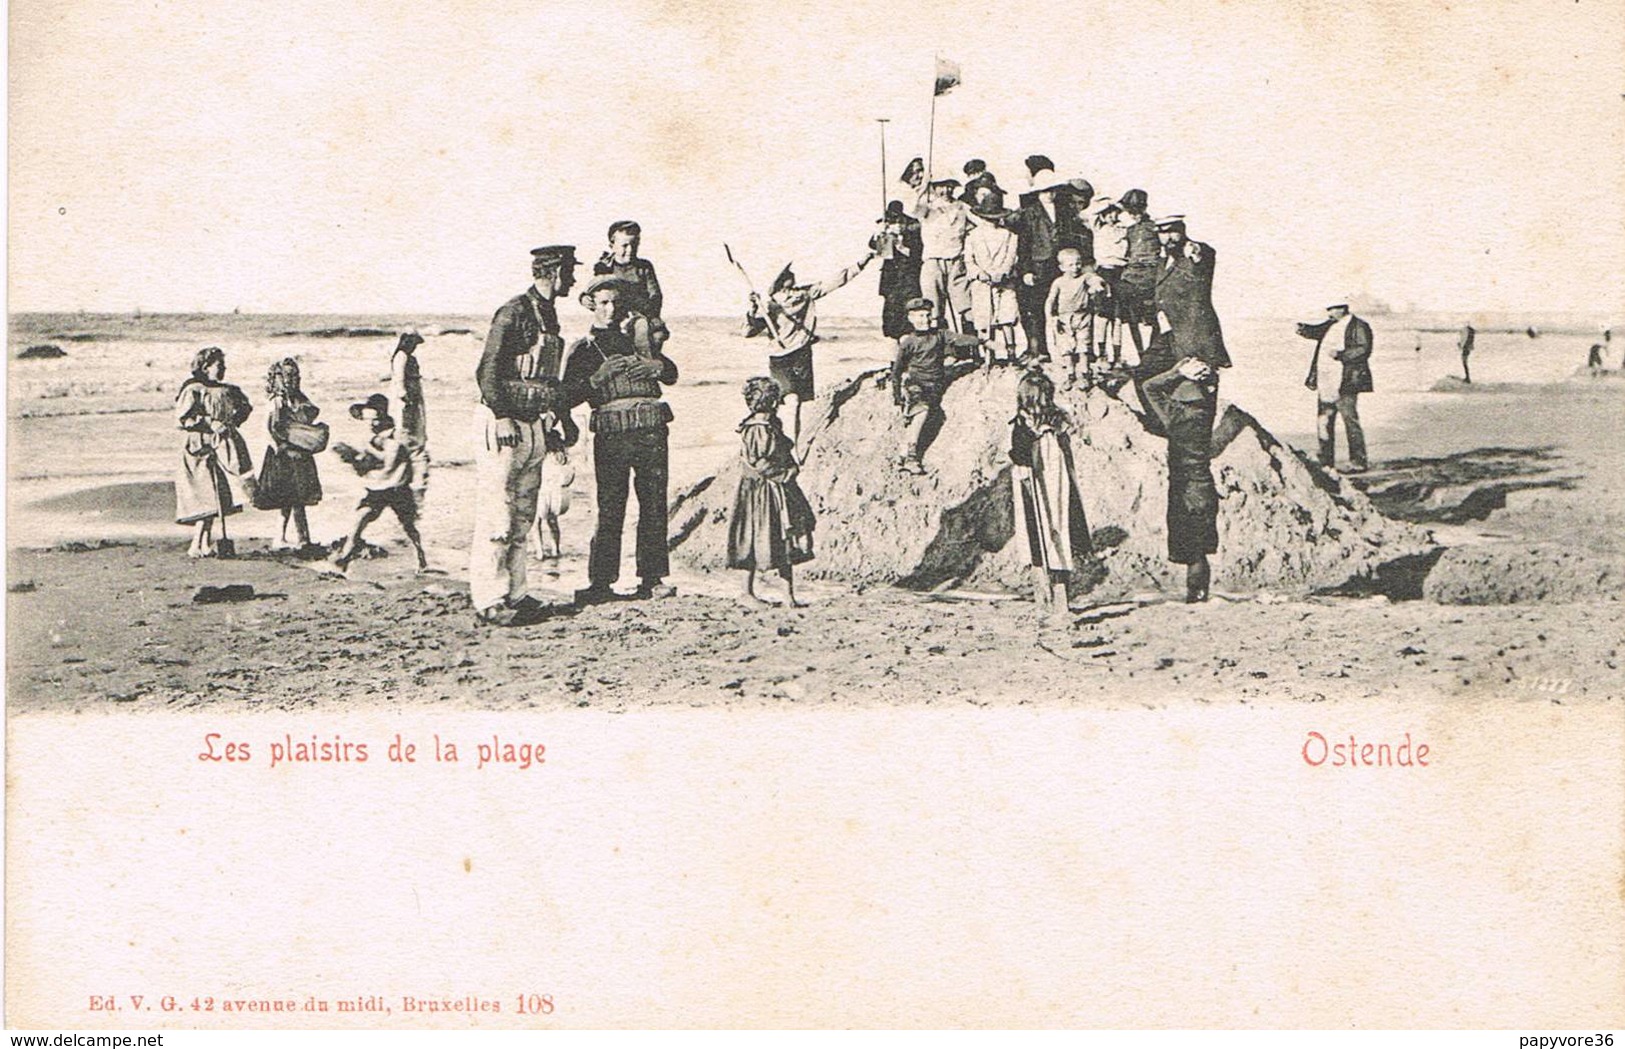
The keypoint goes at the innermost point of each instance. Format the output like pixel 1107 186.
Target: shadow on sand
pixel 1466 486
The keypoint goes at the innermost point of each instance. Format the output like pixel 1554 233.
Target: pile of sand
pixel 1283 524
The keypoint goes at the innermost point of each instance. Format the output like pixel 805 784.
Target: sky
pixel 383 157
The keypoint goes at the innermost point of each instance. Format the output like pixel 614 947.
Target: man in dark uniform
pixel 517 377
pixel 1185 323
pixel 1184 399
pixel 1186 319
pixel 621 381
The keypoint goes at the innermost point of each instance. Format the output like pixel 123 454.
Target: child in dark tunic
pixel 288 478
pixel 1184 398
pixel 772 523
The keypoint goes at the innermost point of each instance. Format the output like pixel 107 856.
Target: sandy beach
pixel 1516 477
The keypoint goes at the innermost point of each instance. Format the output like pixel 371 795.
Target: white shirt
pixel 1329 376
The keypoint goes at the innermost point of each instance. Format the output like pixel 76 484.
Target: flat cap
pixel 606 280
pixel 918 302
pixel 555 253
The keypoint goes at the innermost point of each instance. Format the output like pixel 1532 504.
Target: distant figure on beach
pixel 288 480
pixel 210 410
pixel 992 256
pixel 1048 505
pixel 645 300
pixel 789 318
pixel 1464 343
pixel 1185 398
pixel 1339 372
pixel 920 375
pixel 1594 359
pixel 901 255
pixel 622 383
pixel 385 468
pixel 411 417
pixel 522 349
pixel 772 522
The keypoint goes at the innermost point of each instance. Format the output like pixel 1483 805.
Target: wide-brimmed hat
pixel 1171 222
pixel 377 402
pixel 1134 200
pixel 1045 179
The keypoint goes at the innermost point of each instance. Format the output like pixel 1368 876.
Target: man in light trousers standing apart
pixel 518 377
pixel 1339 372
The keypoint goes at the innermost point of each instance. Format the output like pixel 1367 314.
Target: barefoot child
pixel 288 478
pixel 558 432
pixel 772 523
pixel 1068 311
pixel 1048 507
pixel 385 467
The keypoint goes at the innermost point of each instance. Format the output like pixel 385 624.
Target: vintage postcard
pixel 639 514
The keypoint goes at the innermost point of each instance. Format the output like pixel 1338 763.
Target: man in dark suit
pixel 1045 224
pixel 1186 319
pixel 1339 372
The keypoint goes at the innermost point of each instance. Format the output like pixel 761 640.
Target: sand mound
pixel 44 351
pixel 1283 524
pixel 1509 575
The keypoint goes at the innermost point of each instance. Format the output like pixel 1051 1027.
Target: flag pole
pixel 885 186
pixel 931 135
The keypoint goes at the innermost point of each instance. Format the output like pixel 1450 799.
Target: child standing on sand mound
pixel 772 522
pixel 1049 514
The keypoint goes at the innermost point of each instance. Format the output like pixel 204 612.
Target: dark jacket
pixel 1039 237
pixel 1144 254
pixel 640 274
pixel 517 327
pixel 900 274
pixel 600 371
pixel 1355 354
pixel 1185 294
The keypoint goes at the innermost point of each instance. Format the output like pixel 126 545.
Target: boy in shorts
pixel 385 466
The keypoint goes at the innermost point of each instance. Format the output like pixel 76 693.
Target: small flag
pixel 947 75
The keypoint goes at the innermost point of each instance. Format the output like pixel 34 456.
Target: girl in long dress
pixel 288 479
pixel 1049 518
pixel 210 410
pixel 772 522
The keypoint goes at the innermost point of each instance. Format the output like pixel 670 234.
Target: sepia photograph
pixel 743 516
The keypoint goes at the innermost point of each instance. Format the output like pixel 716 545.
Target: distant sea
pixel 102 410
